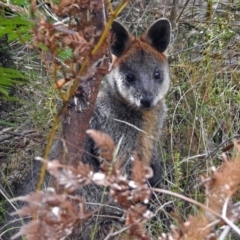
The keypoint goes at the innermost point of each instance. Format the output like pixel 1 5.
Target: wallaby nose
pixel 146 100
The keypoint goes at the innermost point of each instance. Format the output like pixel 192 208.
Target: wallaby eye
pixel 130 77
pixel 157 74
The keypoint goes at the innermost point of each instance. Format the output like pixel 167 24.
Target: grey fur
pixel 119 112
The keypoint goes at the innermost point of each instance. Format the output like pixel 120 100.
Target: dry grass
pixel 202 123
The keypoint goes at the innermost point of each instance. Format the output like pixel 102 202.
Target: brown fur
pixel 137 44
pixel 146 139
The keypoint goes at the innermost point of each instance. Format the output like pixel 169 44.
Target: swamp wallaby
pixel 131 107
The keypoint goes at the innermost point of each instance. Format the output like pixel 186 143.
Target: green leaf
pixel 16 28
pixel 4 91
pixel 66 54
pixel 8 124
pixel 21 3
pixel 8 78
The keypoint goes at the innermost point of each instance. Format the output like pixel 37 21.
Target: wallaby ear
pixel 120 39
pixel 159 34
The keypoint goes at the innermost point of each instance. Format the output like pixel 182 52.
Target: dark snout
pixel 146 100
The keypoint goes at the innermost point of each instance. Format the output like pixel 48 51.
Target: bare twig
pixel 182 10
pixel 225 219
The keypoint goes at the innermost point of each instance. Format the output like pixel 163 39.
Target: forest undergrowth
pixel 200 144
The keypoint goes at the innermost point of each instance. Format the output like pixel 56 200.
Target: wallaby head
pixel 140 73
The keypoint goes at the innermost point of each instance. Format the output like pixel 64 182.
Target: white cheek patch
pixel 118 78
pixel 163 89
pixel 137 102
pixel 124 91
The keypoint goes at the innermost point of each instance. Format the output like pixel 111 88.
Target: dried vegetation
pixel 202 197
pixel 57 214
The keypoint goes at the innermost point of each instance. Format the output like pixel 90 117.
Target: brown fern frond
pixel 224 183
pixel 104 142
pixel 140 172
pixel 195 228
pixel 56 215
pixel 134 219
pixel 128 192
pixel 71 178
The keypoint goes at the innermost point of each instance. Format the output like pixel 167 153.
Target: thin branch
pixel 225 206
pixel 14 8
pixel 225 219
pixel 182 10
